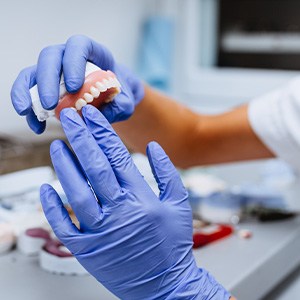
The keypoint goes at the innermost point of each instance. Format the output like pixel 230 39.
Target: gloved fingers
pixel 168 179
pixel 34 124
pixel 117 154
pixel 137 87
pixel 20 95
pixel 48 75
pixel 92 159
pixel 80 49
pixel 73 181
pixel 120 109
pixel 57 215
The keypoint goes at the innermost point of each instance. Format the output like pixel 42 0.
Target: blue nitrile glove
pixel 137 245
pixel 70 58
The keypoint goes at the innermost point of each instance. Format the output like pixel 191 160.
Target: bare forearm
pixel 189 138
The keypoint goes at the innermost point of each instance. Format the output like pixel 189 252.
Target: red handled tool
pixel 209 234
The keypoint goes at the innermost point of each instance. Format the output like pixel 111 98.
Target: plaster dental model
pixel 56 258
pixel 53 256
pixel 100 87
pixel 31 241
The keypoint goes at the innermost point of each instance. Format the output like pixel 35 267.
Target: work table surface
pixel 249 268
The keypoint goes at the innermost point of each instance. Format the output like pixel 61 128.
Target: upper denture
pixel 99 87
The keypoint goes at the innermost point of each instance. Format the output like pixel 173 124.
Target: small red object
pixel 245 233
pixel 203 237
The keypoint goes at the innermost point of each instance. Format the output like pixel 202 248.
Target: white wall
pixel 27 26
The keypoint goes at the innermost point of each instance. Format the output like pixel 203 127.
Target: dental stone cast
pixel 100 85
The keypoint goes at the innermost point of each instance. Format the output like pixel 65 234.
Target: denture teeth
pixel 88 97
pixel 80 103
pixel 117 82
pixel 111 82
pixel 106 83
pixel 95 92
pixel 101 86
pixel 114 82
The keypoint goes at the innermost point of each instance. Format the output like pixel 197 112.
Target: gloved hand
pixel 137 245
pixel 70 58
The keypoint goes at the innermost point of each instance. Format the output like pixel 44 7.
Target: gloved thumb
pixel 118 110
pixel 168 179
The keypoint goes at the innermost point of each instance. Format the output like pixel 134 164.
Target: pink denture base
pixel 69 100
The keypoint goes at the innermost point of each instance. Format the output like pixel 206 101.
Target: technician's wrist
pixel 199 285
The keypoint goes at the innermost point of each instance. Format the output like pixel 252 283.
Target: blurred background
pixel 210 55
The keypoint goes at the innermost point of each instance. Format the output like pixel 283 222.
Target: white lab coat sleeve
pixel 275 118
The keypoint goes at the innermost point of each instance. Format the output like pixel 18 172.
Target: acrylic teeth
pixel 88 97
pixel 117 83
pixel 95 92
pixel 101 86
pixel 111 82
pixel 106 83
pixel 80 103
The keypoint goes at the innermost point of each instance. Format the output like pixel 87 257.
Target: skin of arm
pixel 189 138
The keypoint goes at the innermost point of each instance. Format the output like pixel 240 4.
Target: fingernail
pixel 73 85
pixel 158 150
pixel 23 111
pixel 91 113
pixel 49 102
pixel 55 146
pixel 68 113
pixel 44 189
pixel 87 110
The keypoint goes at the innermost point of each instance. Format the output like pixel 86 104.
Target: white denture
pixel 95 92
pixel 118 84
pixel 101 86
pixel 106 83
pixel 111 82
pixel 80 103
pixel 88 97
pixel 43 114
